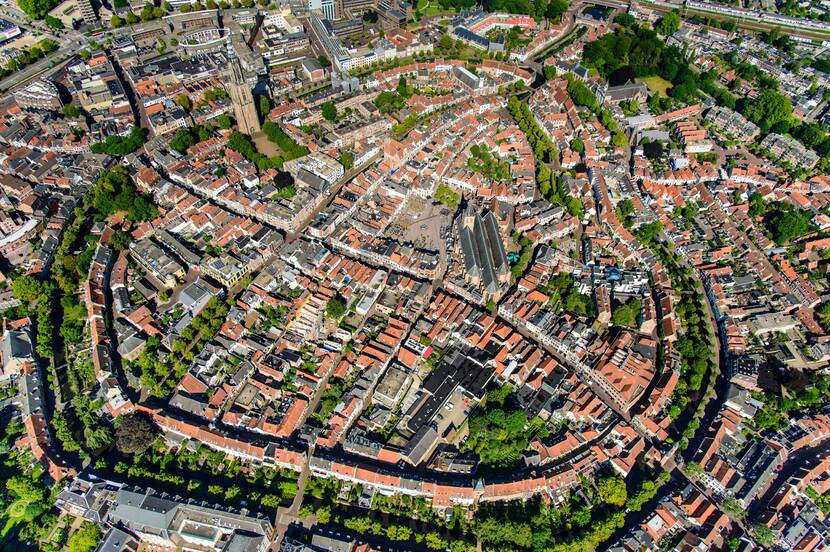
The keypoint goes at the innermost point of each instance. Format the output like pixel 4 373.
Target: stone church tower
pixel 242 99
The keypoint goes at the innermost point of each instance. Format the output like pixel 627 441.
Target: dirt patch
pixel 264 145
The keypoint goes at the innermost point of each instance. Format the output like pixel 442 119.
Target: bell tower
pixel 242 99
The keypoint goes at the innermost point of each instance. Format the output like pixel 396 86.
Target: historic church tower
pixel 243 101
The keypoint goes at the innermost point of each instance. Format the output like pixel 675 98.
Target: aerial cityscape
pixel 413 275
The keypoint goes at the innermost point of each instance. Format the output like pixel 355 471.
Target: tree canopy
pixel 626 314
pixel 499 430
pixel 644 54
pixel 783 221
pixel 329 111
pixel 37 9
pixel 134 434
pixel 115 191
pixel 121 145
pixel 85 539
pixel 335 308
pixel 668 24
pixel 768 109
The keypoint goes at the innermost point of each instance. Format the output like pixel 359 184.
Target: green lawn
pixel 431 7
pixel 447 195
pixel 657 84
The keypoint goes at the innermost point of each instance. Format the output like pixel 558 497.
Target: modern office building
pixel 326 8
pixel 88 12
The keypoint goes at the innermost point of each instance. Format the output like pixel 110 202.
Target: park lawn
pixel 657 84
pixel 432 7
pixel 438 10
pixel 447 195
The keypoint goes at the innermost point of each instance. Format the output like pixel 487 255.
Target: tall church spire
pixel 241 97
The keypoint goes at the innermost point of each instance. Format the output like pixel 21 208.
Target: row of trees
pixel 543 147
pixel 29 289
pixel 149 12
pixel 582 96
pixel 204 473
pixel 289 147
pixel 161 376
pixel 404 518
pixel 432 540
pixel 525 252
pixel 696 345
pixel 120 146
pixel 589 517
pixel 28 56
pixel 544 150
pixel 553 9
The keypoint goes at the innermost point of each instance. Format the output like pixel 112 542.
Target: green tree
pixel 120 240
pixel 445 42
pixel 183 140
pixel 224 121
pixel 36 9
pixel 619 140
pixel 786 223
pixel 733 507
pixel 116 21
pixel 556 9
pixel 693 469
pixel 27 288
pixel 433 540
pixel 72 111
pixel 335 308
pixel 626 314
pixel 135 433
pixel 264 107
pixel 763 534
pixel 347 160
pixel 329 111
pixel 613 491
pixel 768 109
pixel 85 539
pixel 121 145
pixel 54 23
pixel 625 20
pixel 183 101
pixel 499 432
pixel 323 514
pixel 823 313
pixel 668 24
